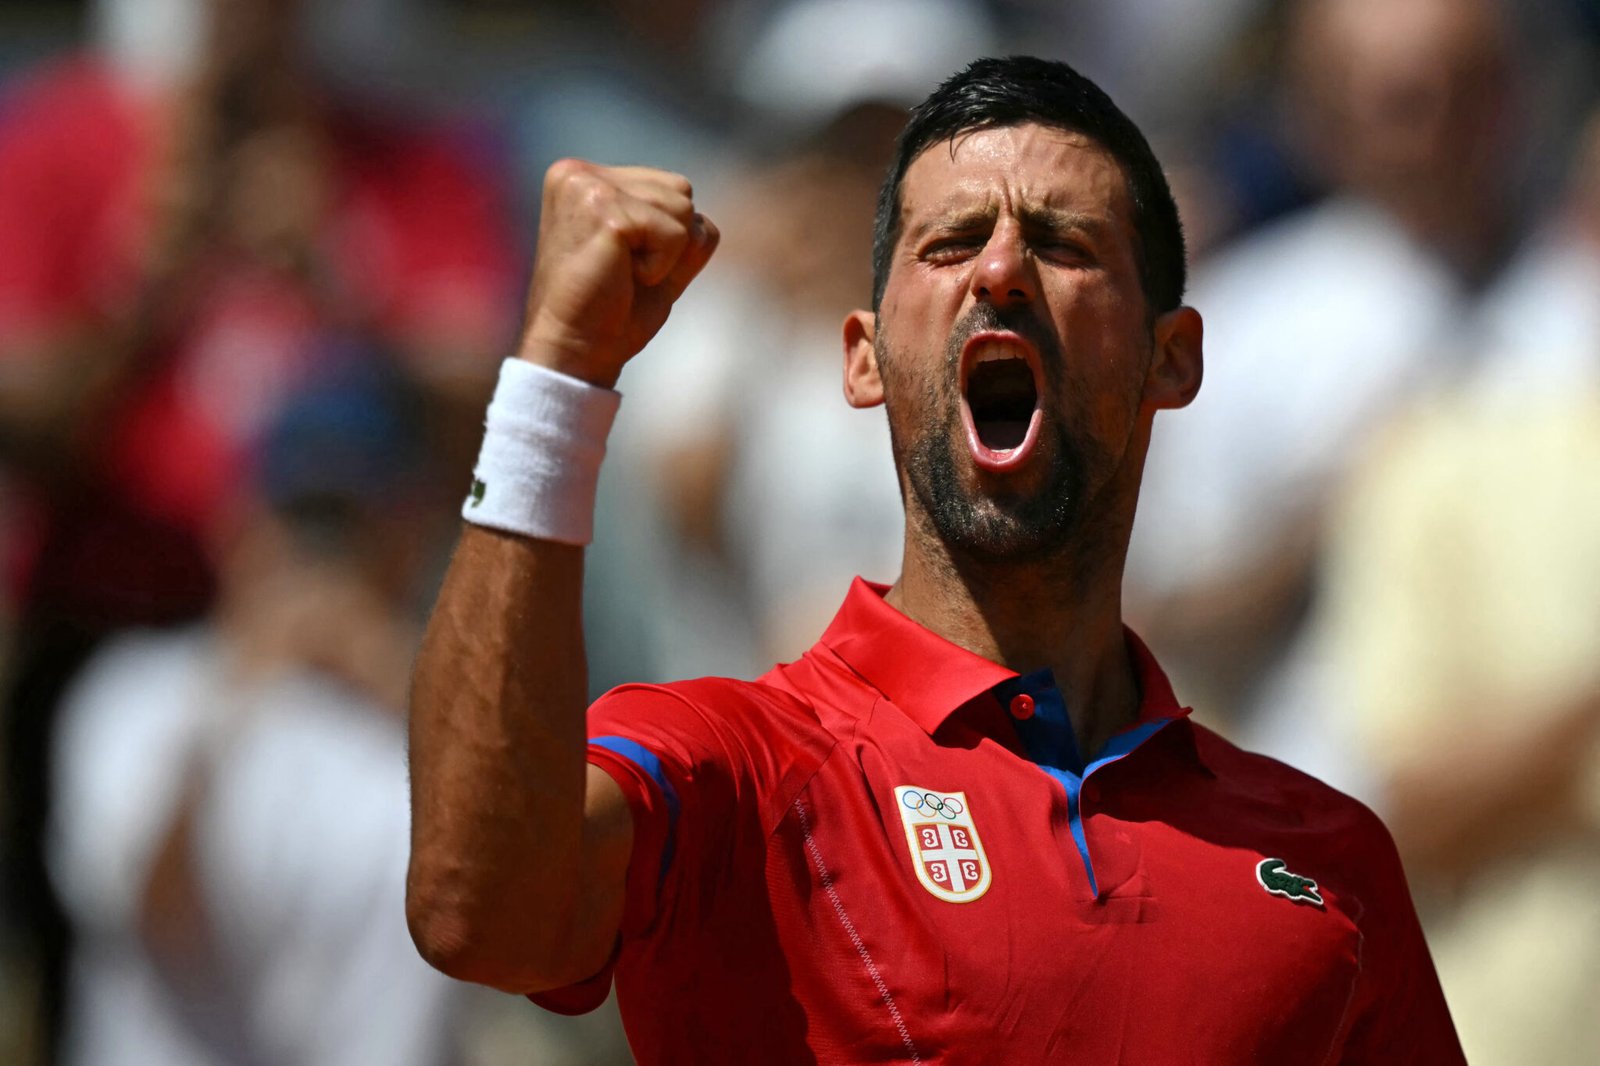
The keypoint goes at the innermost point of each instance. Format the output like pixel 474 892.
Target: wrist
pixel 565 354
pixel 544 437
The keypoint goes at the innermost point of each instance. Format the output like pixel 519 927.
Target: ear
pixel 863 385
pixel 1178 364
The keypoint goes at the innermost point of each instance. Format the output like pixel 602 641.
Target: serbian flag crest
pixel 946 851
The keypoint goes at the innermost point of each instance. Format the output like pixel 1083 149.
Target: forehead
pixel 1013 167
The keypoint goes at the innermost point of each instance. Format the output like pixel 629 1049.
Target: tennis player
pixel 973 824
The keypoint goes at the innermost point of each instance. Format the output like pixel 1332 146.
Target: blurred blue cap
pixel 354 433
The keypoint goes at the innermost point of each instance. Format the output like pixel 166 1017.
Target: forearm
pixel 497 765
pixel 519 851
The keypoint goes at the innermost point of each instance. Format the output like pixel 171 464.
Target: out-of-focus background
pixel 259 260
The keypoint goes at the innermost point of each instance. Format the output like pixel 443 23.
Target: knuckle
pixel 564 172
pixel 599 199
pixel 580 186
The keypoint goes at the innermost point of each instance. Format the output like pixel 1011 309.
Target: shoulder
pixel 722 698
pixel 735 712
pixel 1291 798
pixel 715 729
pixel 1397 1011
pixel 812 695
pixel 139 678
pixel 127 729
pixel 1312 238
pixel 1341 841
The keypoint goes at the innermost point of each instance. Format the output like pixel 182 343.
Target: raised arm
pixel 519 851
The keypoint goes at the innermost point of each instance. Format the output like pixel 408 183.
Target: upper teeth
pixel 993 351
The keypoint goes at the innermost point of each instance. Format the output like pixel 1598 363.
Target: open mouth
pixel 1001 390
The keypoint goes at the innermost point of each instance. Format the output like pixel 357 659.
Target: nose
pixel 1004 273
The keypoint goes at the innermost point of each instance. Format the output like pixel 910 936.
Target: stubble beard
pixel 1021 527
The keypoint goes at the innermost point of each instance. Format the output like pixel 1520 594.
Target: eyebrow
pixel 1035 219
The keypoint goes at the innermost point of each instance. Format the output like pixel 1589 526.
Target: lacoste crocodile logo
pixel 1275 877
pixel 478 488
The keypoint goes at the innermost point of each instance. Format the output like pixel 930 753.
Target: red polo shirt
pixel 891 851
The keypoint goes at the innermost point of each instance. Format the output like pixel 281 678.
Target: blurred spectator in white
pixel 1539 328
pixel 230 825
pixel 754 465
pixel 1457 656
pixel 188 224
pixel 1321 325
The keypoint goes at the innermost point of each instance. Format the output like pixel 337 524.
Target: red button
pixel 1022 706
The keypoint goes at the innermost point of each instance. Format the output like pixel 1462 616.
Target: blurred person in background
pixel 1153 53
pixel 620 81
pixel 1460 636
pixel 230 822
pixel 189 224
pixel 1322 324
pixel 811 498
pixel 1202 76
pixel 772 494
pixel 1539 327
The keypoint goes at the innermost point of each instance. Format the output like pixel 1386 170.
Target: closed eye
pixel 1062 249
pixel 952 249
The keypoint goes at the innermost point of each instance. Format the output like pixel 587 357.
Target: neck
pixel 1060 614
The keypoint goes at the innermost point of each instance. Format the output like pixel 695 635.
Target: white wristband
pixel 543 440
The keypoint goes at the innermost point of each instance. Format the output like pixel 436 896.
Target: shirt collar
pixel 929 678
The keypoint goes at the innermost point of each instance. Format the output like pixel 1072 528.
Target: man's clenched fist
pixel 617 245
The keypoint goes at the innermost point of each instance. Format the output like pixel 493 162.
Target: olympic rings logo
pixel 929 803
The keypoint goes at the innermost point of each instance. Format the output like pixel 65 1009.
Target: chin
pixel 1009 527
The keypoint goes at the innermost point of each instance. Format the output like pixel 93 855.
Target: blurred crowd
pixel 259 260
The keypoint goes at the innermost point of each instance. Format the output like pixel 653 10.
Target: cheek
pixel 1102 307
pixel 916 393
pixel 1107 353
pixel 918 295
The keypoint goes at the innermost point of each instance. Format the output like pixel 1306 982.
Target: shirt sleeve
pixel 685 773
pixel 1400 1013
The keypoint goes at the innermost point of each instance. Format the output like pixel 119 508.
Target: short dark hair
pixel 992 93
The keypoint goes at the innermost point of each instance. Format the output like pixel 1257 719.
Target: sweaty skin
pixel 519 858
pixel 1036 223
